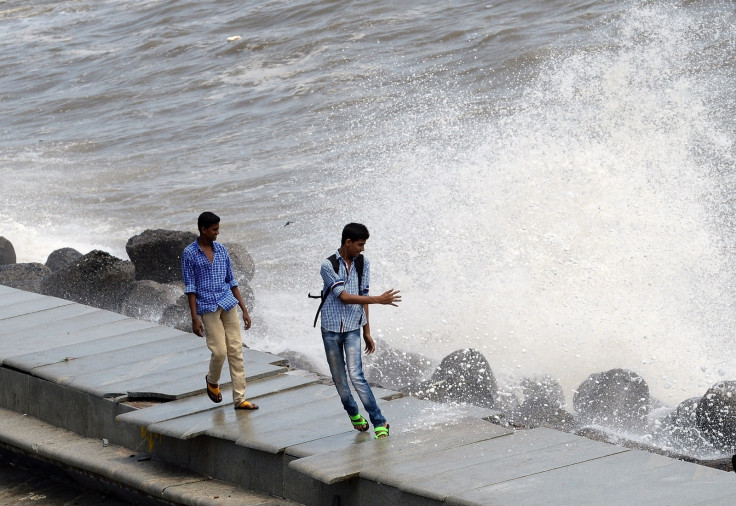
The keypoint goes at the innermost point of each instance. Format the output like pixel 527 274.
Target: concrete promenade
pixel 123 401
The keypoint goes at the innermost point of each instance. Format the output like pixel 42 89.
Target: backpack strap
pixel 359 266
pixel 359 263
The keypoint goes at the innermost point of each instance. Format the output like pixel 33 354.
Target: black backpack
pixel 357 263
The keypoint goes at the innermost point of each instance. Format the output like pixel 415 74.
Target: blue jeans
pixel 342 348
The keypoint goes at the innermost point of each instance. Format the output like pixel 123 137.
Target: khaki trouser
pixel 222 330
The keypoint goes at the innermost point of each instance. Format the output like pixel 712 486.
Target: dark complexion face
pixel 210 234
pixel 354 248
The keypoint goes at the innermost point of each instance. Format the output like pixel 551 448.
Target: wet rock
pixel 395 369
pixel 617 399
pixel 97 279
pixel 26 276
pixel 249 298
pixel 7 252
pixel 243 266
pixel 62 258
pixel 543 390
pixel 297 360
pixel 543 405
pixel 156 254
pixel 678 429
pixel 147 300
pixel 715 416
pixel 462 376
pixel 177 315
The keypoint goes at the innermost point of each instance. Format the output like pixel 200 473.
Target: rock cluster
pixel 613 406
pixel 148 287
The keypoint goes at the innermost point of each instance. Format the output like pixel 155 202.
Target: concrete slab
pixel 483 463
pixel 283 406
pixel 335 443
pixel 223 422
pixel 54 313
pixel 14 390
pixel 87 342
pixel 251 355
pixel 396 472
pixel 12 296
pixel 6 289
pixel 181 376
pixel 328 418
pixel 32 305
pixel 407 414
pixel 151 344
pixel 120 466
pixel 200 402
pixel 85 317
pixel 631 477
pixel 337 466
pixel 124 371
pixel 172 390
pixel 273 432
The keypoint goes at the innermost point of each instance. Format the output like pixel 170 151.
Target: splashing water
pixel 571 227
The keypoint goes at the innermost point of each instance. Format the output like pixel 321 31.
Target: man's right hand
pixel 197 327
pixel 389 297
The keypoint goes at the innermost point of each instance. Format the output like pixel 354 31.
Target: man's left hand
pixel 370 346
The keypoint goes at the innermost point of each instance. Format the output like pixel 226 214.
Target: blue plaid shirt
pixel 212 283
pixel 337 316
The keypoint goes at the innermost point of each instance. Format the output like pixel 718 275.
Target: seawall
pixel 117 382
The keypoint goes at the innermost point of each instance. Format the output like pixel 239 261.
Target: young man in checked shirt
pixel 344 313
pixel 213 294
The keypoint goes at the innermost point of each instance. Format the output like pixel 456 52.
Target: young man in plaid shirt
pixel 344 313
pixel 214 295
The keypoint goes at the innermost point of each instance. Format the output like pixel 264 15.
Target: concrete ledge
pixel 64 364
pixel 138 473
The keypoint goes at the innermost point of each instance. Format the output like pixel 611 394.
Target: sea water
pixel 548 182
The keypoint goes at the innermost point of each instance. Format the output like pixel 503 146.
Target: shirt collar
pixel 216 246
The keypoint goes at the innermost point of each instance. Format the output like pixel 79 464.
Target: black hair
pixel 355 232
pixel 206 220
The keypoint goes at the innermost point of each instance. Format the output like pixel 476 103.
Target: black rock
pixel 617 399
pixel 24 276
pixel 61 258
pixel 715 415
pixel 249 298
pixel 7 252
pixel 543 405
pixel 243 266
pixel 678 430
pixel 178 315
pixel 97 279
pixel 395 369
pixel 297 360
pixel 147 299
pixel 462 376
pixel 156 254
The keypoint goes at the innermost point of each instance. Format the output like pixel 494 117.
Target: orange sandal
pixel 213 391
pixel 246 405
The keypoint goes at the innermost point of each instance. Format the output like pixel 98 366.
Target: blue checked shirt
pixel 212 283
pixel 336 316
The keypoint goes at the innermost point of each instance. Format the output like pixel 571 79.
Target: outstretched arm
pixel 389 297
